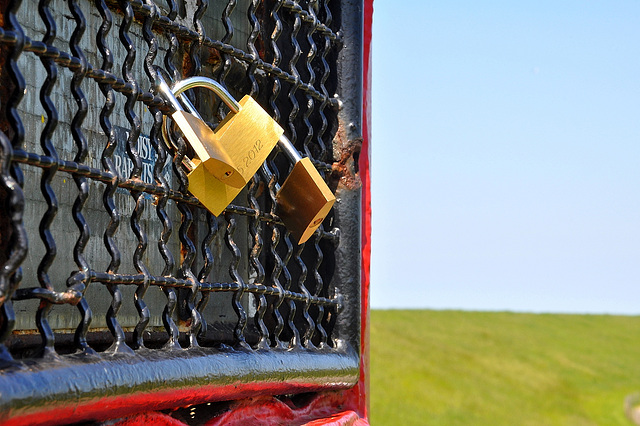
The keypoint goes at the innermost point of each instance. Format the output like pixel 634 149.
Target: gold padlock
pixel 246 135
pixel 304 199
pixel 202 139
pixel 214 195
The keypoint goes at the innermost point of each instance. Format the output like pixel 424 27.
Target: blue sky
pixel 506 155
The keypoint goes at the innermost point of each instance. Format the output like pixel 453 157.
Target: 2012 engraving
pixel 250 156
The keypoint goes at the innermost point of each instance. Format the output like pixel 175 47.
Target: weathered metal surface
pixel 88 387
pixel 349 197
pixel 326 408
pixel 310 409
pixel 357 132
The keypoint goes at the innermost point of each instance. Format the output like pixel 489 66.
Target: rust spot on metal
pixel 261 189
pixel 3 8
pixel 344 171
pixel 214 57
pixel 262 14
pixel 261 47
pixel 187 64
pixel 71 297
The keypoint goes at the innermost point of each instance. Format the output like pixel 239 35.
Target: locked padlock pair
pixel 227 158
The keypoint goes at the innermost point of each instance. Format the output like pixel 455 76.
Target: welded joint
pixel 72 296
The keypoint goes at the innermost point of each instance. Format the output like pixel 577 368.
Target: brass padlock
pixel 246 135
pixel 202 139
pixel 304 199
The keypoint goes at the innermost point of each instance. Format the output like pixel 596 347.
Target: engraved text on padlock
pixel 247 137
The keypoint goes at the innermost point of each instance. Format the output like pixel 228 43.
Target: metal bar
pixel 348 254
pixel 74 390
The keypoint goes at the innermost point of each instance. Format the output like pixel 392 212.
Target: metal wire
pixel 278 291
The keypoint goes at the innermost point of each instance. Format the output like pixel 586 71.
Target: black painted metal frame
pixel 296 308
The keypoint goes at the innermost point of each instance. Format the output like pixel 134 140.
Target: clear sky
pixel 506 155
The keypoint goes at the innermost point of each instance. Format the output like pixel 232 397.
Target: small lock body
pixel 207 148
pixel 200 137
pixel 214 195
pixel 246 137
pixel 304 200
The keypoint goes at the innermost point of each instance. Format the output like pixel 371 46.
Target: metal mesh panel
pixel 103 248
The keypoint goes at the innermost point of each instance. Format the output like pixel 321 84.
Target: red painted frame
pixel 358 396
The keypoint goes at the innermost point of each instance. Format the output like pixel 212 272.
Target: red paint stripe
pixel 362 389
pixel 365 157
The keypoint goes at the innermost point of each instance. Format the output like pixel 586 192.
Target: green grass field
pixel 499 368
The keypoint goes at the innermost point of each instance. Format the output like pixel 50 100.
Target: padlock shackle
pixel 198 81
pixel 164 88
pixel 214 86
pixel 287 147
pixel 182 86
